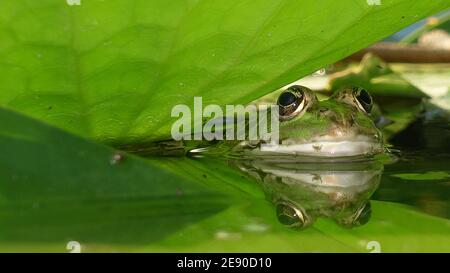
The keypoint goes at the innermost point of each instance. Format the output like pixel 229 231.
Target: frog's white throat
pixel 325 147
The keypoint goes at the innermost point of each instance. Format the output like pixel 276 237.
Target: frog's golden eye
pixel 291 216
pixel 363 99
pixel 291 101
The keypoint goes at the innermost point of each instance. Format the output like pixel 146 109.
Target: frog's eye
pixel 291 102
pixel 363 99
pixel 291 216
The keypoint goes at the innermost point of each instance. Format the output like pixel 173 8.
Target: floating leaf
pixel 55 187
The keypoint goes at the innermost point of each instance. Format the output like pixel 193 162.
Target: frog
pixel 338 128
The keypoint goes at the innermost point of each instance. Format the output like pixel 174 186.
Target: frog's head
pixel 340 126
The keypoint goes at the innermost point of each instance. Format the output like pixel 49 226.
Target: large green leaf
pixel 55 187
pixel 253 227
pixel 112 70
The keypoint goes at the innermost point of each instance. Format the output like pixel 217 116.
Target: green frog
pixel 340 127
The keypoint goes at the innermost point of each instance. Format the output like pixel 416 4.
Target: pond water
pixel 421 175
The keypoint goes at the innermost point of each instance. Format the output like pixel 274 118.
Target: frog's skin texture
pixel 301 193
pixel 336 127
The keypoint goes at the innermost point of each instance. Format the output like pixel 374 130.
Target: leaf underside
pixel 113 70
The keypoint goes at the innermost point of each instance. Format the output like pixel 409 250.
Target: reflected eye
pixel 291 102
pixel 290 216
pixel 363 215
pixel 363 98
pixel 358 218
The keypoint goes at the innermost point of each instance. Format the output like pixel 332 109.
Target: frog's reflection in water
pixel 303 192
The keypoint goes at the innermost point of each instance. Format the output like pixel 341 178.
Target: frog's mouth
pixel 327 147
